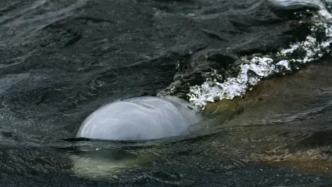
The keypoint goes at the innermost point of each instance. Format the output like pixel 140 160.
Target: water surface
pixel 61 60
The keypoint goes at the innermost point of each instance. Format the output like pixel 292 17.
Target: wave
pixel 256 66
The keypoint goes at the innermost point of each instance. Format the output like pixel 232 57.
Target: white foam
pixel 255 68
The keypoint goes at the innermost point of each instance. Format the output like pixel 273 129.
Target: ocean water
pixel 257 70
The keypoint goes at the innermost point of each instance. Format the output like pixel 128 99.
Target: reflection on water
pixel 278 134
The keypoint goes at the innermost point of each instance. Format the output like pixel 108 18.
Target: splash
pixel 256 67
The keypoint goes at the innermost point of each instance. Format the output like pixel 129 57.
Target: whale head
pixel 141 118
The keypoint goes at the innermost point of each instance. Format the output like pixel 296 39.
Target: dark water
pixel 62 59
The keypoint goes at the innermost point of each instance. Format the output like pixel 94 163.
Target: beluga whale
pixel 140 118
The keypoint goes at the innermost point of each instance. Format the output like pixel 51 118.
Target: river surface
pixel 62 59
